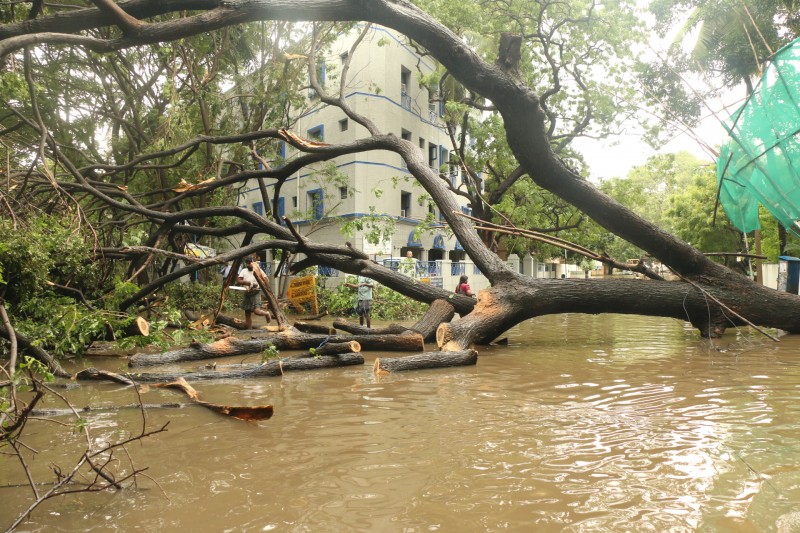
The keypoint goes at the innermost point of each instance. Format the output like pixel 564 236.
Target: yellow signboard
pixel 301 291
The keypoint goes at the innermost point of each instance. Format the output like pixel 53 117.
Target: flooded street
pixel 581 423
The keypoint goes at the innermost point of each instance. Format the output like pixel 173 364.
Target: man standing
pixel 408 265
pixel 251 303
pixel 363 299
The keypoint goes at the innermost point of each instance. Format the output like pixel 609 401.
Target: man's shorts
pixel 363 307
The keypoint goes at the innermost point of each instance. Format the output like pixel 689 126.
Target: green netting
pixel 759 162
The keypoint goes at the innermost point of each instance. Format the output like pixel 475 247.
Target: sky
pixel 617 155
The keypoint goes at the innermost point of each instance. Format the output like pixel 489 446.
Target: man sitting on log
pixel 251 303
pixel 363 299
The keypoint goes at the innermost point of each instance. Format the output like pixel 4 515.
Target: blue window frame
pixel 281 206
pixel 316 203
pixel 466 210
pixel 282 149
pixel 317 133
pixel 258 207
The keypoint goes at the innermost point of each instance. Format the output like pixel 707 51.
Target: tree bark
pixel 425 360
pixel 357 329
pixel 319 329
pixel 37 353
pixel 291 340
pixel 275 367
pixel 439 312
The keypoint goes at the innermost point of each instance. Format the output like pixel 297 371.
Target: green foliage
pixel 386 304
pixel 269 353
pixel 38 368
pixel 198 296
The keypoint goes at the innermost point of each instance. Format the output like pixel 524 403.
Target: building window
pixel 281 207
pixel 316 203
pixel 405 135
pixel 294 202
pixel 405 85
pixel 433 154
pixel 405 204
pixel 422 144
pixel 316 133
pixel 258 207
pixel 343 193
pixel 344 124
pixel 343 57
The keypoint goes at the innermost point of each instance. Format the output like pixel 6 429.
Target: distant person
pixel 408 265
pixel 251 303
pixel 363 299
pixel 463 287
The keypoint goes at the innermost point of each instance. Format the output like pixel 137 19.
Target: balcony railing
pixel 405 100
pixel 327 271
pixel 429 268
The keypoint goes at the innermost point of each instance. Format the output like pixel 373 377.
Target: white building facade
pixel 384 85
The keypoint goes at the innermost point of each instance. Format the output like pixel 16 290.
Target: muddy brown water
pixel 581 423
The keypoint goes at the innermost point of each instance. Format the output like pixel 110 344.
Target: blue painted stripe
pixel 370 163
pixel 382 97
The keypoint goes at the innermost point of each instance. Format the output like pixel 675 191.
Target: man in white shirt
pixel 251 303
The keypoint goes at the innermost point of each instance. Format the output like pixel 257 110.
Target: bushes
pixel 199 296
pixel 386 304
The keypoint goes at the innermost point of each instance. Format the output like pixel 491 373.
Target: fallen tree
pixel 708 295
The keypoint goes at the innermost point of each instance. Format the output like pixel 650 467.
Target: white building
pixel 384 85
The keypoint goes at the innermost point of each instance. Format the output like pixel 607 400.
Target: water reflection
pixel 581 423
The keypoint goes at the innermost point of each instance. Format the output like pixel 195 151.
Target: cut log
pixel 357 329
pixel 231 322
pixel 335 348
pixel 96 374
pixel 275 367
pixel 139 327
pixel 425 360
pixel 288 340
pixel 305 327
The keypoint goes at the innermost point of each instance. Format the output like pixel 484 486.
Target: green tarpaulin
pixel 759 163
